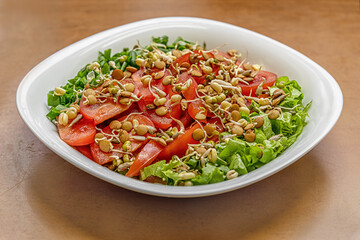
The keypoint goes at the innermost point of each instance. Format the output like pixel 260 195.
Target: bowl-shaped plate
pixel 318 86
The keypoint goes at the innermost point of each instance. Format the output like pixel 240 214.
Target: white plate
pixel 317 85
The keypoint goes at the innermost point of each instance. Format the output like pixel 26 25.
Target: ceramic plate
pixel 317 85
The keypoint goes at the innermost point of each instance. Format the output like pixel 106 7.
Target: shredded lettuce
pixel 209 174
pixel 237 164
pixel 163 170
pixel 273 138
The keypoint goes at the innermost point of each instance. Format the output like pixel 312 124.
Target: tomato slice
pixel 163 122
pixel 186 119
pixel 200 80
pixel 219 127
pixel 80 134
pixel 195 108
pixel 221 53
pixel 85 150
pixel 179 145
pixel 176 111
pixel 146 156
pixel 100 112
pixel 189 93
pixel 264 95
pixel 102 157
pixel 144 91
pixel 180 60
pixel 142 106
pixel 270 79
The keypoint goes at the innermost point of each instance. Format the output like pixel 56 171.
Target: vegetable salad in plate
pixel 178 114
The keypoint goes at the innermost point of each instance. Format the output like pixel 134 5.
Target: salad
pixel 178 114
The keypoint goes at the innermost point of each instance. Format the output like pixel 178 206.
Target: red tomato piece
pixel 200 80
pixel 100 112
pixel 146 156
pixel 133 108
pixel 186 119
pixel 185 58
pixel 265 95
pixel 270 79
pixel 179 145
pixel 163 122
pixel 102 157
pixel 175 111
pixel 80 134
pixel 85 150
pixel 224 54
pixel 189 93
pixel 195 108
pixel 216 67
pixel 144 91
pixel 219 127
pixel 142 106
pixel 179 61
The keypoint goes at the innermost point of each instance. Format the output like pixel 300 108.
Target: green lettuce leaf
pixel 210 174
pixel 153 170
pixel 162 170
pixel 267 127
pixel 237 164
pixel 231 148
pixel 272 150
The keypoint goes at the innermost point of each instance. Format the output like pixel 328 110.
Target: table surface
pixel 44 197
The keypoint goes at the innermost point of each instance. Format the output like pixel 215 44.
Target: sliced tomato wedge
pixel 219 127
pixel 175 111
pixel 180 60
pixel 146 156
pixel 85 150
pixel 103 157
pixel 264 95
pixel 179 145
pixel 200 80
pixel 163 122
pixel 100 112
pixel 195 108
pixel 186 120
pixel 144 91
pixel 80 134
pixel 142 106
pixel 269 77
pixel 189 93
pixel 221 53
pixel 216 67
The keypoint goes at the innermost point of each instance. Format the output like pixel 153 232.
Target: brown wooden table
pixel 44 197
